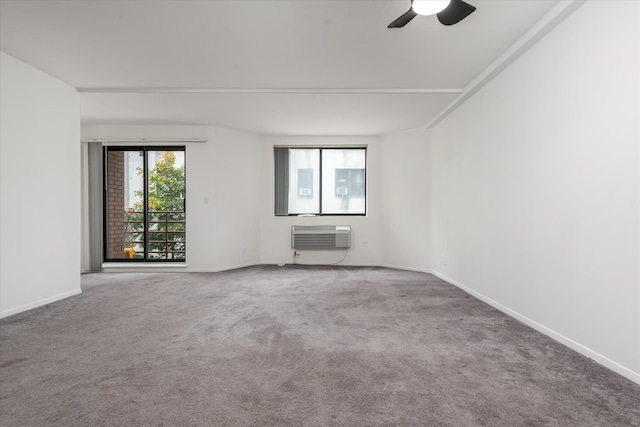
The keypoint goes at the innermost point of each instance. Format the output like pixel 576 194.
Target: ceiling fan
pixel 449 12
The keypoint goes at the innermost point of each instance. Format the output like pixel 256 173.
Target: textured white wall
pixel 40 188
pixel 406 199
pixel 223 195
pixel 536 187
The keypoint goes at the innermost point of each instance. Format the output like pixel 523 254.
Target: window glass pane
pixel 124 215
pixel 166 186
pixel 343 181
pixel 134 203
pixel 304 181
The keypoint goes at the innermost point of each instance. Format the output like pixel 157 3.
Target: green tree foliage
pixel 166 184
pixel 166 195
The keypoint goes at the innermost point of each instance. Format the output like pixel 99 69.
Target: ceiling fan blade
pixel 455 12
pixel 403 20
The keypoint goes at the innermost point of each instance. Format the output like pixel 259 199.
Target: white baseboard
pixel 139 267
pixel 39 303
pixel 352 264
pixel 576 346
pixel 217 270
pixel 407 268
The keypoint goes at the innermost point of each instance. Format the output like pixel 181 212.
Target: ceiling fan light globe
pixel 429 7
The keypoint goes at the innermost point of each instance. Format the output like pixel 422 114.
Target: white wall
pixel 366 240
pixel 237 227
pixel 406 200
pixel 223 196
pixel 40 188
pixel 234 170
pixel 536 187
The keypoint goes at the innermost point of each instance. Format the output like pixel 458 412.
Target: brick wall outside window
pixel 115 205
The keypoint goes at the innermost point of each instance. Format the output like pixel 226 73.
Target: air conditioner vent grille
pixel 320 237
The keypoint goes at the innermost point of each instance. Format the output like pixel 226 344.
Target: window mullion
pixel 320 181
pixel 145 203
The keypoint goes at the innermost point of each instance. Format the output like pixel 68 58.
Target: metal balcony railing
pixel 166 234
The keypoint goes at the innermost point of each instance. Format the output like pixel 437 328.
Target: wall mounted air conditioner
pixel 320 236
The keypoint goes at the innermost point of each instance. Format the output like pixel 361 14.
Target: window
pixel 144 204
pixel 320 181
pixel 350 182
pixel 305 182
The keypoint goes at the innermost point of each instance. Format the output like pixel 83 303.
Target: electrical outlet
pixel 244 251
pixel 365 244
pixel 443 260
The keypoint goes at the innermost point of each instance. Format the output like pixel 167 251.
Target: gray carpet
pixel 293 346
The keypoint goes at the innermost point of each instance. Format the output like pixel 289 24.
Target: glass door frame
pixel 145 150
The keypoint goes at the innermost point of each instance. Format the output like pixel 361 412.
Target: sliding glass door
pixel 145 204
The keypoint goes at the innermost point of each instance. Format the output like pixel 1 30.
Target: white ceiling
pixel 284 67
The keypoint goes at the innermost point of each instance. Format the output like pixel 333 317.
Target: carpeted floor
pixel 293 346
